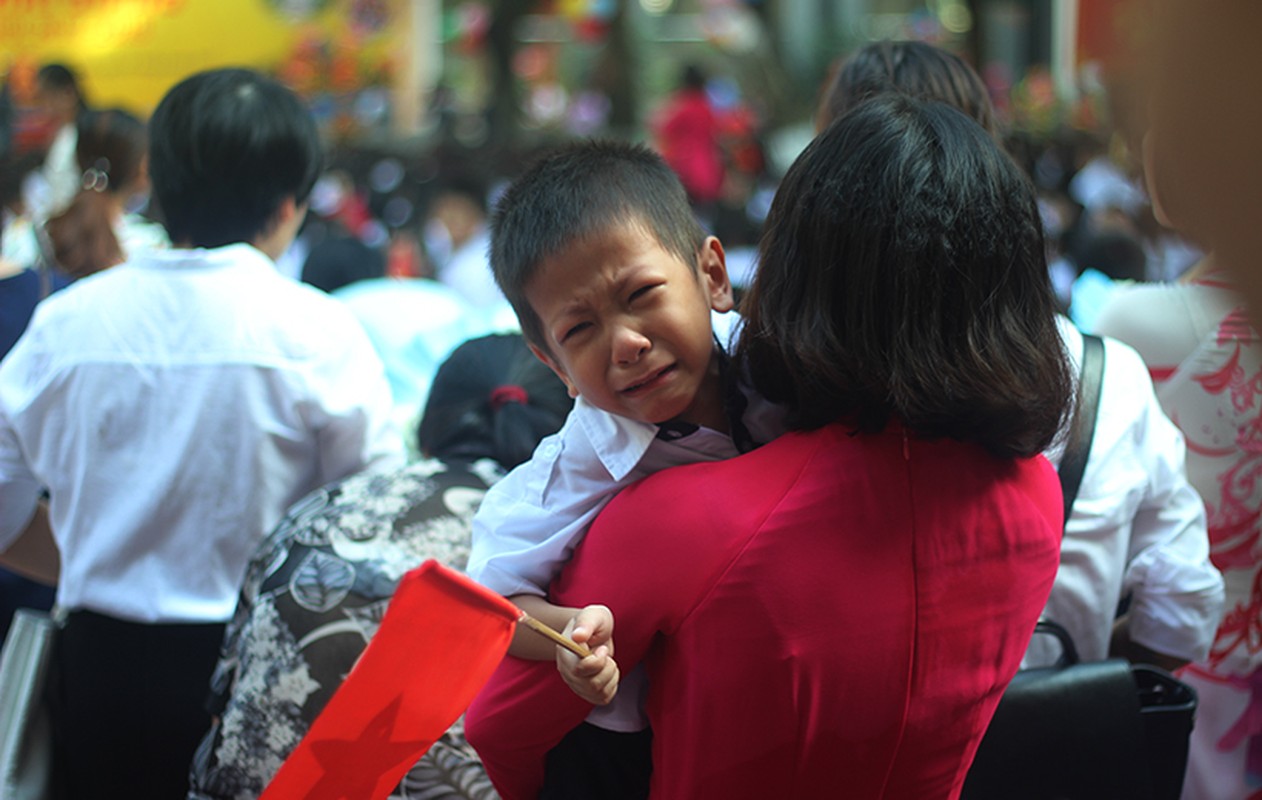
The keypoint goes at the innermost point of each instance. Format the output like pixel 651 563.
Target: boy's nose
pixel 629 345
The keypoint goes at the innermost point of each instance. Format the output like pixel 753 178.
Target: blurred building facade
pixel 502 70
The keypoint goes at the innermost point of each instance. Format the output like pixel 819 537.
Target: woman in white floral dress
pixel 317 588
pixel 1206 362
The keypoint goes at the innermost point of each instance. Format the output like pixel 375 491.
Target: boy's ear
pixel 712 271
pixel 555 367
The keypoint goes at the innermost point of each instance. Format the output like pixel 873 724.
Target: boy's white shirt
pixel 530 522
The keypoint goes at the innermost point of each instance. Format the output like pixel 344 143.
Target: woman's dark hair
pixel 580 190
pixel 226 148
pixel 340 259
pixel 902 273
pixel 492 399
pixel 111 152
pixel 913 68
pixel 61 78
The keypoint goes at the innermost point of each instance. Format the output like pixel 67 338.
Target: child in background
pixel 613 281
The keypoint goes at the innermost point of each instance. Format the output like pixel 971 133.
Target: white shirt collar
pixel 619 442
pixel 239 254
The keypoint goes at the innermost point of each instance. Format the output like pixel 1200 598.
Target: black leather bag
pixel 1102 730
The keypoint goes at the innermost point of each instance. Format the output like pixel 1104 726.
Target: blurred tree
pixel 614 71
pixel 501 40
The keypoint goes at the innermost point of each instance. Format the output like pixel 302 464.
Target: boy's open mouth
pixel 648 381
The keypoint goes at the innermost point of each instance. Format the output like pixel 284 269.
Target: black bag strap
pixel 1068 652
pixel 1074 461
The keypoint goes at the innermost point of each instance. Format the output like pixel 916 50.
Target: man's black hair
pixel 227 146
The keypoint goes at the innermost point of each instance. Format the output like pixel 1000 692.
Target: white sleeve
pixel 19 488
pixel 352 405
pixel 530 522
pixel 1176 592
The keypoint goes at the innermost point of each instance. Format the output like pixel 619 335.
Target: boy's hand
pixel 594 678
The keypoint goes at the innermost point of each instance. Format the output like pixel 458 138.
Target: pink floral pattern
pixel 1215 396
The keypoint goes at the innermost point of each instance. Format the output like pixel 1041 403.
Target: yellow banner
pixel 130 52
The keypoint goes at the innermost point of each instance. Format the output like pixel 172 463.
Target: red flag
pixel 441 637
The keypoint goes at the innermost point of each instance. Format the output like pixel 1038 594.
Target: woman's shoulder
pixel 1165 321
pixel 705 490
pixel 1131 298
pixel 1144 304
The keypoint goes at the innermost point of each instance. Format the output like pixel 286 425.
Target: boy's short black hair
pixel 902 274
pixel 581 190
pixel 226 147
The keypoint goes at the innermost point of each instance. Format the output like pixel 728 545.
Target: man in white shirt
pixel 172 408
pixel 1137 533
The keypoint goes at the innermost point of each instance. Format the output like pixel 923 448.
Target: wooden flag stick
pixel 544 630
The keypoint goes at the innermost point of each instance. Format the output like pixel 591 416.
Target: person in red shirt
pixel 838 612
pixel 688 132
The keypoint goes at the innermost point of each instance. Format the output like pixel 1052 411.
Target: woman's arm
pixel 526 708
pixel 34 554
pixel 649 558
pixel 1121 646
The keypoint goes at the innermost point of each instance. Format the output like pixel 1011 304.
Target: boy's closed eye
pixel 574 330
pixel 644 291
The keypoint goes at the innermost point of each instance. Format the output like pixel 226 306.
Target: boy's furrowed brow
pixel 571 307
pixel 563 314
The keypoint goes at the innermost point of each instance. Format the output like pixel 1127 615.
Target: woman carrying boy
pixel 841 609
